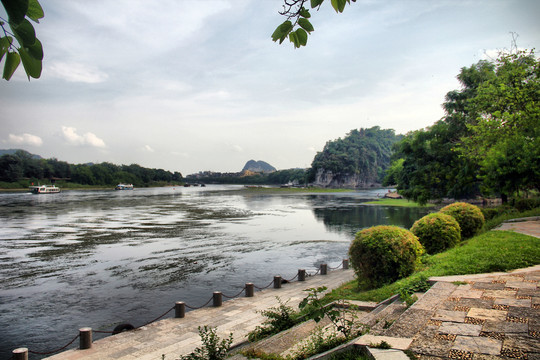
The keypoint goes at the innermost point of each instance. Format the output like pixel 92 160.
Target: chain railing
pixel 85 334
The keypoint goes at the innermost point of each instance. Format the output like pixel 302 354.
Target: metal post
pixel 249 289
pixel 179 309
pixel 301 275
pixel 20 354
pixel 324 269
pixel 217 299
pixel 85 338
pixel 345 264
pixel 277 282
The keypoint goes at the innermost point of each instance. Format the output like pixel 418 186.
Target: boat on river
pixel 124 187
pixel 44 189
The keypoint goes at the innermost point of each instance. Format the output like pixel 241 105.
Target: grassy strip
pixel 489 252
pixel 397 202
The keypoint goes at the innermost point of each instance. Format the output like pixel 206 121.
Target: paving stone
pixel 505 327
pixel 532 315
pixel 525 343
pixel 488 286
pixel 388 354
pixel 466 291
pixel 500 294
pixel 431 346
pixel 447 315
pixel 475 344
pixel 476 303
pixel 521 285
pixel 394 342
pixel 487 314
pixel 514 302
pixel 460 329
pixel 409 323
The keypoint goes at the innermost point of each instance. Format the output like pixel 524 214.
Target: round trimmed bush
pixel 469 217
pixel 384 254
pixel 437 232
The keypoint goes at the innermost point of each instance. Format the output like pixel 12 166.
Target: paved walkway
pixel 174 337
pixel 528 226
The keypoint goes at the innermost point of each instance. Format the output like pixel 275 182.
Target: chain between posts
pixel 342 264
pixel 54 351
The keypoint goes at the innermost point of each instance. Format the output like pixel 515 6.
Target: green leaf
pixel 282 31
pixel 35 11
pixel 31 66
pixel 305 13
pixel 302 36
pixel 12 62
pixel 305 24
pixel 36 50
pixel 25 33
pixel 339 5
pixel 315 3
pixel 293 37
pixel 5 42
pixel 16 10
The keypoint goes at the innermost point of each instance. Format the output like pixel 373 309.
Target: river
pixel 101 258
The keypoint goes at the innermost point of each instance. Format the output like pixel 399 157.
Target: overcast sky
pixel 193 85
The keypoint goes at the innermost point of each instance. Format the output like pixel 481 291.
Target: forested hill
pixel 357 160
pixel 21 168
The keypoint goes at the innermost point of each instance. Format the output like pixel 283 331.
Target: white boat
pixel 124 187
pixel 44 189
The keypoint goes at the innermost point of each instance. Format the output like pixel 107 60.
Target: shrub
pixel 384 254
pixel 437 232
pixel 469 217
pixel 526 204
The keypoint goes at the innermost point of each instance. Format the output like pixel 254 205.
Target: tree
pixel 504 138
pixel 21 43
pixel 432 168
pixel 297 26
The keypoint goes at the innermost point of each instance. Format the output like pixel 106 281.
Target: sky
pixel 198 85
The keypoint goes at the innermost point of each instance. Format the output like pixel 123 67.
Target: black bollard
pixel 345 264
pixel 277 282
pixel 85 338
pixel 301 275
pixel 20 354
pixel 179 309
pixel 249 289
pixel 217 299
pixel 324 269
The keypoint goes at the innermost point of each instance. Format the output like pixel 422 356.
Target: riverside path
pixel 170 338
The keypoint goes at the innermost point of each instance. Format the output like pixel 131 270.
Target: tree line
pixel 486 144
pixel 22 168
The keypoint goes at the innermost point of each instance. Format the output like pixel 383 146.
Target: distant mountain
pixel 13 151
pixel 258 166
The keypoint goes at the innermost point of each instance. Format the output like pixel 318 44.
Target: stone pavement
pixel 485 316
pixel 528 226
pixel 174 337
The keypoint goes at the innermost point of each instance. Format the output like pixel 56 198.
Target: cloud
pixel 148 148
pixel 90 139
pixel 77 72
pixel 25 139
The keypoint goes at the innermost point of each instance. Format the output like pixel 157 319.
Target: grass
pixel 397 202
pixel 489 252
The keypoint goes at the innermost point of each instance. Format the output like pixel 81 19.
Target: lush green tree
pixel 297 26
pixel 432 168
pixel 362 151
pixel 504 139
pixel 20 43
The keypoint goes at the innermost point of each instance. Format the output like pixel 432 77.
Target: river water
pixel 101 258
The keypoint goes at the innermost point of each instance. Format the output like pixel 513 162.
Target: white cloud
pixel 77 72
pixel 25 139
pixel 148 148
pixel 90 139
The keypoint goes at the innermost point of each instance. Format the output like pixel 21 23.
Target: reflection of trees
pixel 351 217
